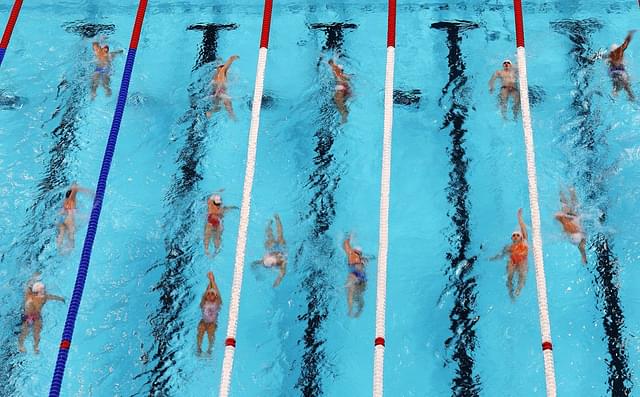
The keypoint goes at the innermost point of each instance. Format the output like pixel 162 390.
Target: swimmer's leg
pixel 201 328
pixel 350 291
pixel 94 84
pixel 23 335
pixel 106 83
pixel 627 88
pixel 208 231
pixel 211 331
pixel 502 100
pixel 359 299
pixel 60 238
pixel 510 270
pixel 522 277
pixel 217 237
pixel 516 102
pixel 583 251
pixel 339 100
pixel 229 106
pixel 37 328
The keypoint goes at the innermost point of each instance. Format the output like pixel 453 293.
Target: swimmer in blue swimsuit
pixel 102 72
pixel 617 71
pixel 276 250
pixel 356 279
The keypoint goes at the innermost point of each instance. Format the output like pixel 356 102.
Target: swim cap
pixel 358 250
pixel 270 260
pixel 613 47
pixel 216 199
pixel 38 288
pixel 507 61
pixel 212 290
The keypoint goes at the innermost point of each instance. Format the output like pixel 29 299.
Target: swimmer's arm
pixel 114 53
pixel 627 40
pixel 231 59
pixel 283 271
pixel 96 47
pixel 212 283
pixel 505 251
pixel 54 298
pixel 231 207
pixel 346 245
pixel 493 81
pixel 523 227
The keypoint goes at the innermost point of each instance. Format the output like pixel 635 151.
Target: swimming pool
pixel 451 328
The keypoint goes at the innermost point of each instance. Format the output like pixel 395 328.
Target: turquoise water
pixel 451 328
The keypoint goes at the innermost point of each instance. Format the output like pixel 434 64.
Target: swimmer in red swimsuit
pixel 66 219
pixel 213 227
pixel 342 91
pixel 220 94
pixel 35 297
pixel 518 251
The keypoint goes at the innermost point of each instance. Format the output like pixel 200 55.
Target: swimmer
pixel 213 226
pixel 509 88
pixel 570 219
pixel 220 90
pixel 210 305
pixel 276 250
pixel 617 71
pixel 357 278
pixel 35 296
pixel 102 72
pixel 518 252
pixel 66 218
pixel 343 89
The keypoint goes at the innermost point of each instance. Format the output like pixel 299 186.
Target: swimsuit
pixel 210 312
pixel 617 71
pixel 30 318
pixel 343 87
pixel 214 220
pixel 519 253
pixel 360 275
pixel 103 70
pixel 577 237
pixel 221 92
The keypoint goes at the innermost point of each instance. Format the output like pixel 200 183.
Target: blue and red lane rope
pixel 8 30
pixel 85 258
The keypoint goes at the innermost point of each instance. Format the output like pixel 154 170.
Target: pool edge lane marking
pixel 83 268
pixel 545 326
pixel 8 30
pixel 385 187
pixel 241 244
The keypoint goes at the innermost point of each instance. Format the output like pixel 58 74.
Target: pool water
pixel 458 179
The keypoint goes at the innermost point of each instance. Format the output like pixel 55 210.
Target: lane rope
pixel 236 287
pixel 8 30
pixel 83 268
pixel 541 284
pixel 385 187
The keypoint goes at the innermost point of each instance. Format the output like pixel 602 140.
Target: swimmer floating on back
pixel 220 92
pixel 570 219
pixel 102 72
pixel 276 250
pixel 617 71
pixel 35 296
pixel 210 305
pixel 66 218
pixel 213 226
pixel 518 252
pixel 509 88
pixel 343 89
pixel 357 277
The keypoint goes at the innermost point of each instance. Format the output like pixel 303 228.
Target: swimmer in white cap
pixel 35 296
pixel 276 250
pixel 220 93
pixel 509 79
pixel 210 305
pixel 570 219
pixel 357 277
pixel 213 226
pixel 617 71
pixel 66 218
pixel 343 89
pixel 518 252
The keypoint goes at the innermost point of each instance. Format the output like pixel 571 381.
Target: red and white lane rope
pixel 385 186
pixel 234 306
pixel 545 326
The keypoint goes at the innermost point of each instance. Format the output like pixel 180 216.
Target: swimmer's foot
pixel 199 352
pixel 208 114
pixel 36 350
pixel 209 350
pixel 21 349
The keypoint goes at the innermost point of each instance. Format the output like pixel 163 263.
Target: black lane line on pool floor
pixel 322 183
pixel 72 96
pixel 592 144
pixel 183 200
pixel 459 269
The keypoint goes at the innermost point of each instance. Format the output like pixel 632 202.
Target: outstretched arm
pixel 627 40
pixel 492 82
pixel 231 59
pixel 346 245
pixel 54 298
pixel 505 251
pixel 523 227
pixel 96 47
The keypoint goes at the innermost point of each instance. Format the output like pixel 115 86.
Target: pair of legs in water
pixel 507 92
pixel 101 75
